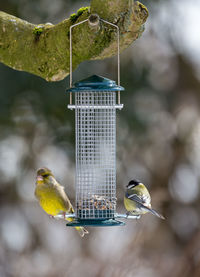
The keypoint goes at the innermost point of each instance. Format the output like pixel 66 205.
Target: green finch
pixel 52 197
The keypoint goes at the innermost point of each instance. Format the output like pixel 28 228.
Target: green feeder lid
pixel 95 83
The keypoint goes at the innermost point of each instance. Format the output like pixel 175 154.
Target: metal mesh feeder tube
pixel 95 126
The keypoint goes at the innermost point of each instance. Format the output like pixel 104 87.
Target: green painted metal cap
pixel 95 83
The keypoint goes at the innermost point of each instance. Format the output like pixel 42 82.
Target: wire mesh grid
pixel 95 154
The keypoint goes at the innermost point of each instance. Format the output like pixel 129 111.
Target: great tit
pixel 52 197
pixel 137 199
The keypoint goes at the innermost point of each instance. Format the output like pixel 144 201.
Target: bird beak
pixel 39 178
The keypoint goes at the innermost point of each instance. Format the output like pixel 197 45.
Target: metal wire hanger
pixel 94 21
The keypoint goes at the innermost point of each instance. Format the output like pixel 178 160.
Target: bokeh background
pixel 158 142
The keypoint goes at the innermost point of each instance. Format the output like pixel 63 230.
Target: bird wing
pixel 142 202
pixel 61 193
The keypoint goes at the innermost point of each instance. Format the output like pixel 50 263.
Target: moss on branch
pixel 75 16
pixel 43 49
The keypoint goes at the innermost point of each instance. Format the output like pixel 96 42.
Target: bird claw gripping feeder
pixel 95 126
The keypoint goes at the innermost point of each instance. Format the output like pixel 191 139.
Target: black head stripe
pixel 133 183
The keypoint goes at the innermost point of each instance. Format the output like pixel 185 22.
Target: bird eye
pixel 45 175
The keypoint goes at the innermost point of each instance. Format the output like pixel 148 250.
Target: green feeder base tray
pixel 95 222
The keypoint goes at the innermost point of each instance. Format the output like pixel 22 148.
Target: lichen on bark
pixel 43 49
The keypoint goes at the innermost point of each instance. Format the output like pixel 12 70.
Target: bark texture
pixel 43 49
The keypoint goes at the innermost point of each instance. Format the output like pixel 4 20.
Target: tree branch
pixel 43 49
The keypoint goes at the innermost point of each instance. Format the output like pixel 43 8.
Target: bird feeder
pixel 96 100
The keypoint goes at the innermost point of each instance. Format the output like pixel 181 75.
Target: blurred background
pixel 158 142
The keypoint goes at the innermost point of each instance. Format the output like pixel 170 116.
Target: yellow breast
pixel 132 206
pixel 51 202
pixel 129 204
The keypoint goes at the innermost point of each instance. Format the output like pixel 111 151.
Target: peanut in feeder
pixel 96 101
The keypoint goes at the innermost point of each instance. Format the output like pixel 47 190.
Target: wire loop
pixel 118 50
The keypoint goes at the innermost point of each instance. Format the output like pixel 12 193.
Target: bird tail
pixel 82 231
pixel 153 212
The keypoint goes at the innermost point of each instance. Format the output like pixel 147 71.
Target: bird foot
pixel 64 214
pixel 127 214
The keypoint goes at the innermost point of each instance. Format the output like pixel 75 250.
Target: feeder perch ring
pixel 97 222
